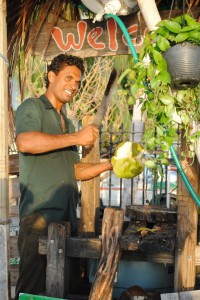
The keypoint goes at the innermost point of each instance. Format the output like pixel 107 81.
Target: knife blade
pixel 109 91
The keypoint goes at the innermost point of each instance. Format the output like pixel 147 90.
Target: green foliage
pixel 164 107
pixel 177 30
pixel 125 82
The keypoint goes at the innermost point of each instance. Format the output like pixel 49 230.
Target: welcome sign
pixel 87 39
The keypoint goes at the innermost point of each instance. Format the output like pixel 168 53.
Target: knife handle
pixel 90 146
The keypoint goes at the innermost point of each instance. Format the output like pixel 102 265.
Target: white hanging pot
pixel 150 13
pixel 183 62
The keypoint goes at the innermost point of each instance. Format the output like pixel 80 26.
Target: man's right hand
pixel 87 135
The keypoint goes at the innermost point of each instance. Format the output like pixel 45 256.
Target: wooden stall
pixel 154 234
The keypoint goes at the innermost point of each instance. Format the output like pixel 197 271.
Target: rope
pixel 4 58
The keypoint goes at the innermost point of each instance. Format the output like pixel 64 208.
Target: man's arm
pixel 85 171
pixel 39 142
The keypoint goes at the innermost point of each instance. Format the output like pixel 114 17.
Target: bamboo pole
pixel 4 228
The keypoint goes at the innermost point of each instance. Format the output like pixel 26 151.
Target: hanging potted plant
pixel 169 92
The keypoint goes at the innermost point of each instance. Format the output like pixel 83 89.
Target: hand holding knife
pixel 109 91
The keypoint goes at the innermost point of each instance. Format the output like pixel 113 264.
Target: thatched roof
pixel 22 13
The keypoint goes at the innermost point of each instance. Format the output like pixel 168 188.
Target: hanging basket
pixel 183 62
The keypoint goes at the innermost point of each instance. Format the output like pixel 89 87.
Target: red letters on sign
pixel 70 39
pixel 112 35
pixel 93 37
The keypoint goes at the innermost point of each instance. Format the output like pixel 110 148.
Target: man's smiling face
pixel 64 86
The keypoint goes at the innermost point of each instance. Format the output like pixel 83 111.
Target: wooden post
pixel 55 260
pixel 90 190
pixel 112 226
pixel 187 220
pixel 4 114
pixel 4 232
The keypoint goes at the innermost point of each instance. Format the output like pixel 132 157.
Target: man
pixel 49 166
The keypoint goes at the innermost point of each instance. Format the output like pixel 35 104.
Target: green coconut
pixel 126 160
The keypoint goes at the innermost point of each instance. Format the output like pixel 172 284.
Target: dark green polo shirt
pixel 47 181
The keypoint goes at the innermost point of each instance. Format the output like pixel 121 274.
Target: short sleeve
pixel 29 116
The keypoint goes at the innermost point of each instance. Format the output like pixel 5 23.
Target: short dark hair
pixel 62 60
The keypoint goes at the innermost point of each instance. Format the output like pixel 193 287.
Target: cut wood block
pixel 151 214
pixel 149 237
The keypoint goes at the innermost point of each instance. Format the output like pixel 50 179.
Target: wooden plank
pixel 55 260
pixel 91 248
pixel 189 295
pixel 85 248
pixel 88 39
pixel 187 221
pixel 90 191
pixel 76 247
